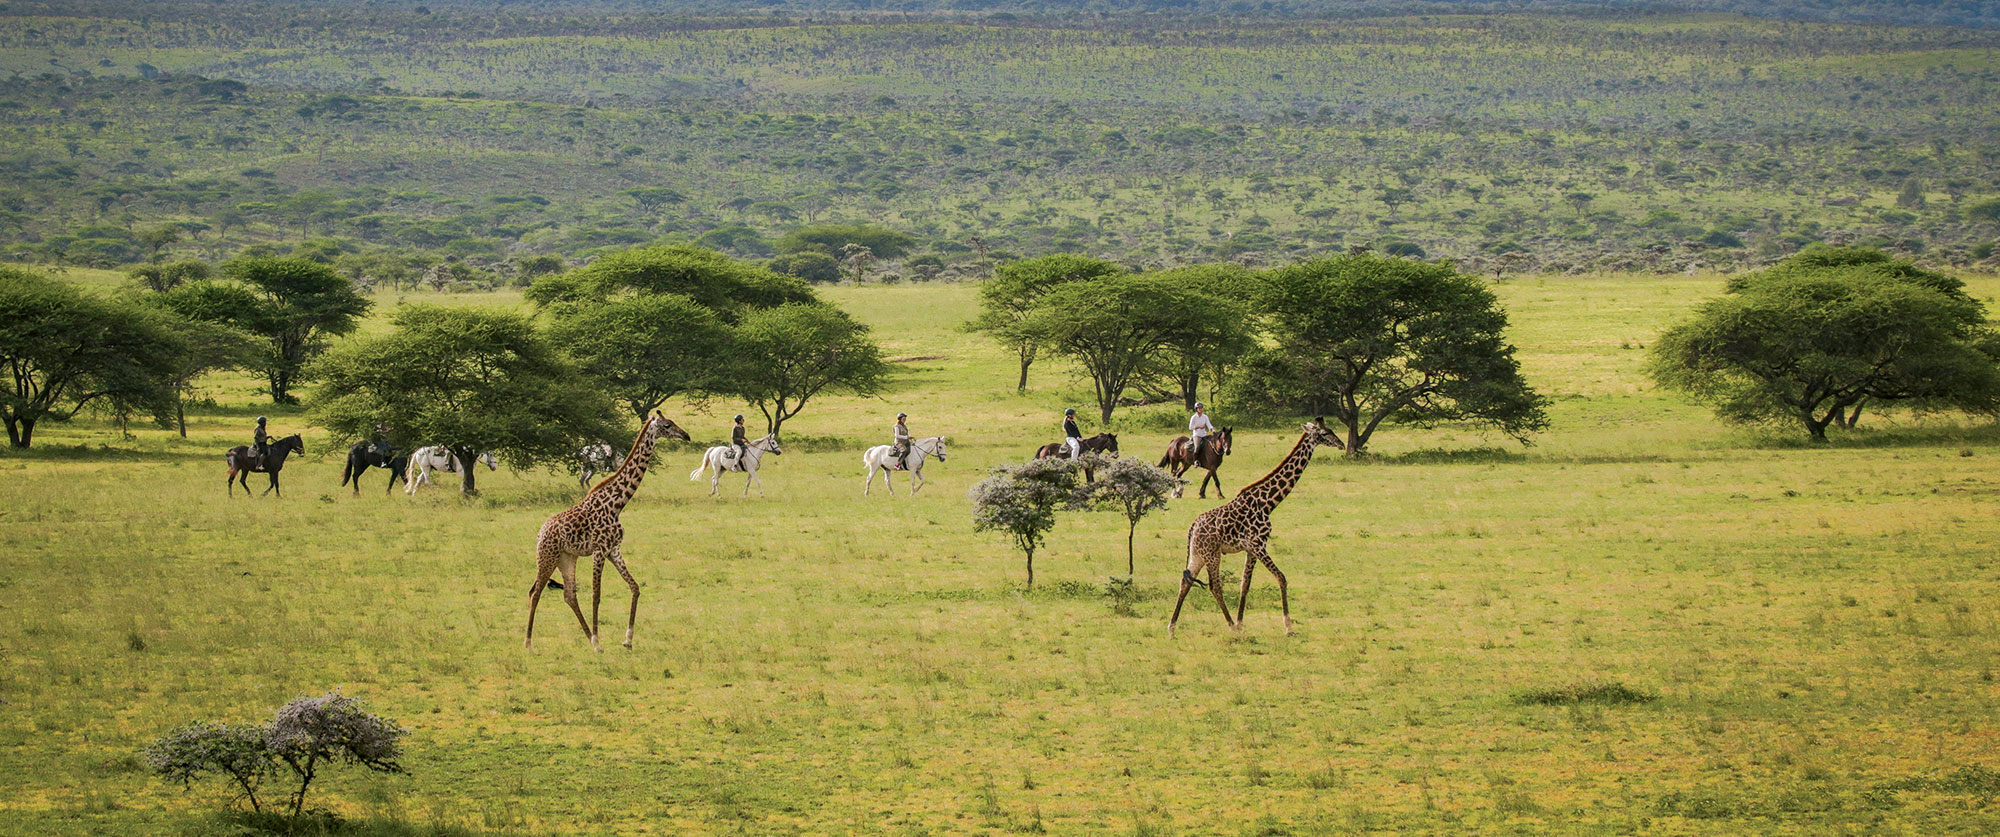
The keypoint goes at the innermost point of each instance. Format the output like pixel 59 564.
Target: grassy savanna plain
pixel 1818 623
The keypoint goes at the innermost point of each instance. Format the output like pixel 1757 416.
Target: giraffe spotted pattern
pixel 1244 525
pixel 591 528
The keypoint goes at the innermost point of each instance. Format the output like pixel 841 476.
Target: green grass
pixel 1818 624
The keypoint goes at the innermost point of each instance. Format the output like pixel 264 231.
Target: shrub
pixel 306 735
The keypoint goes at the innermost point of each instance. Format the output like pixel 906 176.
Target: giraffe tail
pixel 1186 577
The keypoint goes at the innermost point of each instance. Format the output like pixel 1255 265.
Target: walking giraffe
pixel 1244 525
pixel 591 528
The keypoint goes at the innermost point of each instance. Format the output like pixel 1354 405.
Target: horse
pixel 1100 443
pixel 435 458
pixel 1180 457
pixel 878 457
pixel 723 458
pixel 274 461
pixel 596 459
pixel 364 455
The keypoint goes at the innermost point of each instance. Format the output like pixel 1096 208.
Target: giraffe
pixel 591 528
pixel 1244 525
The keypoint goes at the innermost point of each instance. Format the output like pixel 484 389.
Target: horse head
pixel 770 443
pixel 1110 442
pixel 1225 441
pixel 940 448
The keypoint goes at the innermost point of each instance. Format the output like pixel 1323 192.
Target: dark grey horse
pixel 365 455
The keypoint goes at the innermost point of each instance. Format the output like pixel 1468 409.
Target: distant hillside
pixel 1973 13
pixel 1505 141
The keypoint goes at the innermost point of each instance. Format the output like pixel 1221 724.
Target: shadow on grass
pixel 101 452
pixel 1865 438
pixel 1600 694
pixel 323 823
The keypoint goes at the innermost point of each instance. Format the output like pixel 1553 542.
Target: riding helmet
pixel 902 415
pixel 1070 412
pixel 1200 406
pixel 739 416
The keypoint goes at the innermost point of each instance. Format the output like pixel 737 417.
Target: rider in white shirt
pixel 1199 427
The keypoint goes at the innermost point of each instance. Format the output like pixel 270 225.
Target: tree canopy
pixel 648 348
pixel 1118 327
pixel 1006 299
pixel 828 239
pixel 709 278
pixel 293 304
pixel 1361 338
pixel 793 352
pixel 471 380
pixel 1817 336
pixel 67 350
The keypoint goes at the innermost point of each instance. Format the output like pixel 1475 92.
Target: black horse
pixel 274 461
pixel 1180 457
pixel 1100 443
pixel 365 455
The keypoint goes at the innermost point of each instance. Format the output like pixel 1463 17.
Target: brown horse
pixel 1100 443
pixel 1180 455
pixel 274 461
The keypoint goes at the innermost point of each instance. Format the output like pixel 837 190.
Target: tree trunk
pixel 19 431
pixel 180 415
pixel 1190 389
pixel 1129 530
pixel 1027 358
pixel 1816 426
pixel 1031 568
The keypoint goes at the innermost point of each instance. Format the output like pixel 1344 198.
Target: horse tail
pixel 695 475
pixel 347 470
pixel 1167 457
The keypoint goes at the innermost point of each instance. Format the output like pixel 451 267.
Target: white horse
pixel 879 458
pixel 596 459
pixel 723 458
pixel 436 458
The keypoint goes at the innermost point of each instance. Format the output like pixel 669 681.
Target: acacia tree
pixel 66 350
pixel 1130 487
pixel 467 379
pixel 1117 327
pixel 1808 347
pixel 788 354
pixel 1360 338
pixel 293 304
pixel 1219 336
pixel 1021 500
pixel 647 349
pixel 1006 299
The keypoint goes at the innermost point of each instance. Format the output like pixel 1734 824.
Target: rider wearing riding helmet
pixel 902 447
pixel 1199 427
pixel 739 438
pixel 1072 436
pixel 260 441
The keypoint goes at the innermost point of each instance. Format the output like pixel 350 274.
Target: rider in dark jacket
pixel 260 444
pixel 1072 436
pixel 740 439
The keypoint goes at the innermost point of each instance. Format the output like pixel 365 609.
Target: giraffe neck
pixel 617 490
pixel 1268 492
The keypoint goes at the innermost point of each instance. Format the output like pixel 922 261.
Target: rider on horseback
pixel 902 447
pixel 379 440
pixel 1199 427
pixel 1072 436
pixel 260 444
pixel 738 437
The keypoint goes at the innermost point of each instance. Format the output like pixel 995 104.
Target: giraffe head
pixel 659 425
pixel 1316 430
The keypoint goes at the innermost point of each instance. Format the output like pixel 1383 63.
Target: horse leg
pixel 1212 475
pixel 230 481
pixel 631 618
pixel 917 476
pixel 714 482
pixel 274 485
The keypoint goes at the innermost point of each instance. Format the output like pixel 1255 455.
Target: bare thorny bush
pixel 305 735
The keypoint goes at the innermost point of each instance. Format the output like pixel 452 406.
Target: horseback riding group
pixel 1203 447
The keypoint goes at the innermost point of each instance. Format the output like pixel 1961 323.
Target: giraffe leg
pixel 1187 581
pixel 1215 587
pixel 596 589
pixel 1243 598
pixel 569 597
pixel 1283 600
pixel 631 618
pixel 542 571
